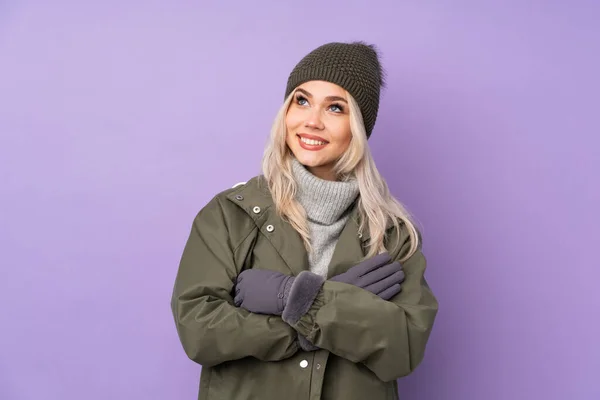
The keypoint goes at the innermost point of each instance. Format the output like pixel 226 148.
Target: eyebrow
pixel 328 98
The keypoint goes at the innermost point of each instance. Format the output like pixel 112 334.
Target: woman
pixel 307 282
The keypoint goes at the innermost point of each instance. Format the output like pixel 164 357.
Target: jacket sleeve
pixel 388 337
pixel 211 329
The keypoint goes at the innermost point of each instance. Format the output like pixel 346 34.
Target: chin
pixel 312 162
pixel 307 159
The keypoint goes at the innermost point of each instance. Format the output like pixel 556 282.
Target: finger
pixel 390 292
pixel 374 262
pixel 396 278
pixel 238 300
pixel 384 284
pixel 381 273
pixel 243 274
pixel 401 276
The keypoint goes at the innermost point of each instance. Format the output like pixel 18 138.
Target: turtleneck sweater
pixel 327 205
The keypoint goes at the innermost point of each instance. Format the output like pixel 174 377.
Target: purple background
pixel 120 120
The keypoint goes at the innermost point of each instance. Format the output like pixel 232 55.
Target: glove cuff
pixel 301 296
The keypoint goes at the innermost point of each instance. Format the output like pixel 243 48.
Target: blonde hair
pixel 376 206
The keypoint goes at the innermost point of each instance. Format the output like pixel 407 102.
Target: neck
pixel 324 200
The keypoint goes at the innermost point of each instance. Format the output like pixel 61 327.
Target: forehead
pixel 323 89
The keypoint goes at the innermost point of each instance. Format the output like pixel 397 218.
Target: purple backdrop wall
pixel 119 120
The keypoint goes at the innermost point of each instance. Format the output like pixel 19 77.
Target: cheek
pixel 292 119
pixel 343 132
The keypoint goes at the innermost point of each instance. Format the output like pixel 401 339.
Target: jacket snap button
pixel 256 209
pixel 270 228
pixel 239 197
pixel 303 363
pixel 318 366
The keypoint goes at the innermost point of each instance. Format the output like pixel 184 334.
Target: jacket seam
pixel 243 240
pixel 236 247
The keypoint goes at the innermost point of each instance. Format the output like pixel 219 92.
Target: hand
pixel 377 275
pixel 262 291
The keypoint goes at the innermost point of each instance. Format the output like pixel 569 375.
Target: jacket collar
pixel 255 199
pixel 252 194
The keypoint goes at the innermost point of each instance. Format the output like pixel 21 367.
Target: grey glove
pixel 377 275
pixel 262 291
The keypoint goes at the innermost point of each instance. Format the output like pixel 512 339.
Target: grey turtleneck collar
pixel 324 201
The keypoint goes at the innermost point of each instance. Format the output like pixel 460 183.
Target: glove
pixel 377 275
pixel 262 291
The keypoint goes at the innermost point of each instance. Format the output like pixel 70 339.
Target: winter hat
pixel 353 66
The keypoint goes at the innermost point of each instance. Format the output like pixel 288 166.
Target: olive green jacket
pixel 365 343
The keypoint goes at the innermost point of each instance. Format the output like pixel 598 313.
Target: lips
pixel 310 147
pixel 313 137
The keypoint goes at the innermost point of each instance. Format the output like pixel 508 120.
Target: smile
pixel 310 144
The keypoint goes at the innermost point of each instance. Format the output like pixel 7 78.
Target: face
pixel 318 126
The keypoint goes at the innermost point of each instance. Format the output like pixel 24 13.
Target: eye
pixel 337 108
pixel 301 100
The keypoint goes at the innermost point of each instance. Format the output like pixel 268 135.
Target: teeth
pixel 312 142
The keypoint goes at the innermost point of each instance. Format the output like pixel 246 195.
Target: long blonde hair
pixel 376 206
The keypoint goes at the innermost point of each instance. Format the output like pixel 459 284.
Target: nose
pixel 313 120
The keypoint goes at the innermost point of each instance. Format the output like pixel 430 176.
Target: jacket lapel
pixel 289 245
pixel 348 249
pixel 351 246
pixel 283 236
